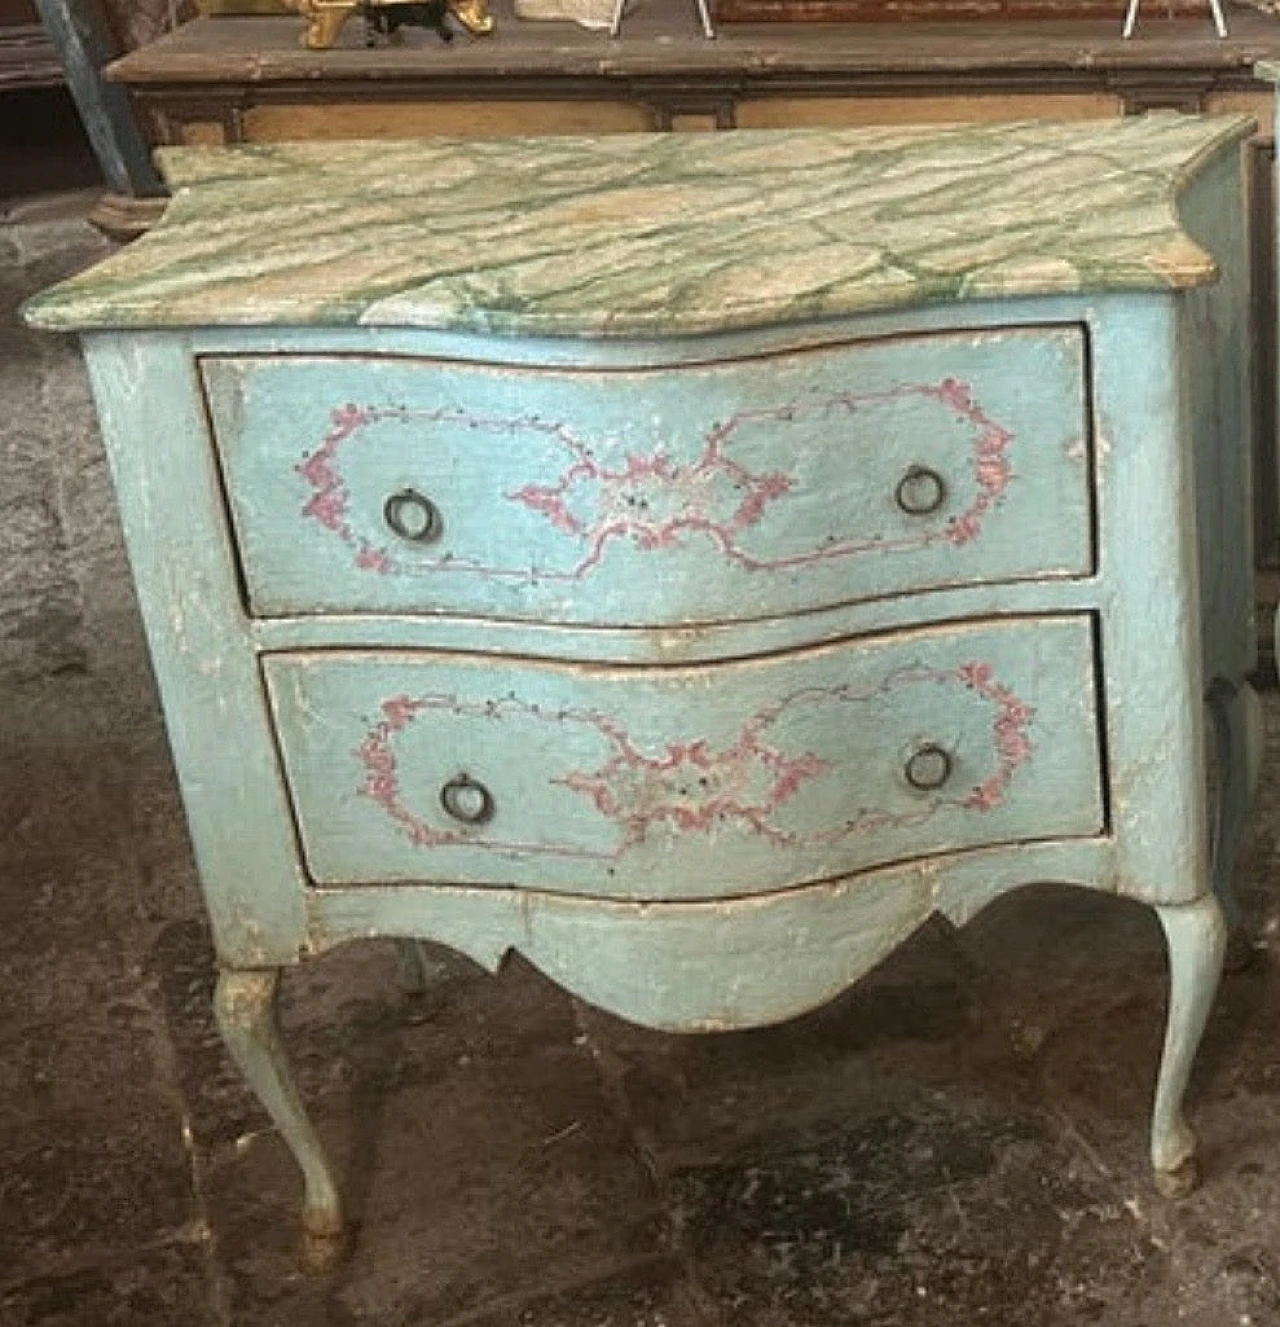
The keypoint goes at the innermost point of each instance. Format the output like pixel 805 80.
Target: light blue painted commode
pixel 690 561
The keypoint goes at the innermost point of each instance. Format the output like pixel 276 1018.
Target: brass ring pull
pixel 920 491
pixel 928 768
pixel 412 517
pixel 467 800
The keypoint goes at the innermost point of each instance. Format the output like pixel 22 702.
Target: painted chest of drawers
pixel 689 561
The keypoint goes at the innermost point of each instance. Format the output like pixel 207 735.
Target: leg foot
pixel 413 968
pixel 323 1242
pixel 1196 938
pixel 422 979
pixel 245 1006
pixel 1179 1181
pixel 1237 724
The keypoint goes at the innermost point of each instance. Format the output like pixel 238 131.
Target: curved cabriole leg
pixel 1237 723
pixel 245 1005
pixel 1196 937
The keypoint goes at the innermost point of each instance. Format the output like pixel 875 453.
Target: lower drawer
pixel 701 782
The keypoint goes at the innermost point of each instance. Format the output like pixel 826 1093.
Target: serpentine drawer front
pixel 727 779
pixel 691 560
pixel 746 488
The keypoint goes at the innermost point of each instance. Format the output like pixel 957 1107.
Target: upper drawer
pixel 699 782
pixel 729 490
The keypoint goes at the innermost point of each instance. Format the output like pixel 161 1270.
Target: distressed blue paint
pixel 695 727
pixel 692 782
pixel 754 488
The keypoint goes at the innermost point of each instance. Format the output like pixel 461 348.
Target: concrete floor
pixel 958 1140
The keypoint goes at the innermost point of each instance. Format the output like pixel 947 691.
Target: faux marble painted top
pixel 644 234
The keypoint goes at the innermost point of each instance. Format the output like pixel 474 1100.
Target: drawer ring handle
pixel 413 517
pixel 920 491
pixel 467 800
pixel 928 767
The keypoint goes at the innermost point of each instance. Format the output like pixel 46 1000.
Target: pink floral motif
pixel 1012 741
pixel 656 502
pixel 652 500
pixel 692 786
pixel 330 501
pixel 991 467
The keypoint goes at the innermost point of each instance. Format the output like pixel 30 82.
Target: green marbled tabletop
pixel 654 233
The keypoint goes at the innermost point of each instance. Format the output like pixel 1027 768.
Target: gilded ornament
pixel 326 18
